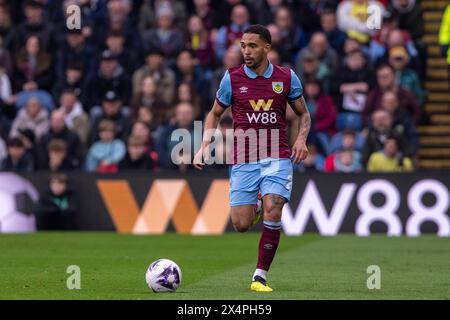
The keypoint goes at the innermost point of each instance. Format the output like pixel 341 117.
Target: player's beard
pixel 254 63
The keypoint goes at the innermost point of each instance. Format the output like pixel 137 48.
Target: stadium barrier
pixel 197 203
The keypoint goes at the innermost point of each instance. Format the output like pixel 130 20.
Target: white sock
pixel 260 272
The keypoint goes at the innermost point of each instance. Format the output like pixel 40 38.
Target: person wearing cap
pixel 405 76
pixel 111 76
pixel 164 77
pixel 112 109
pixel 164 36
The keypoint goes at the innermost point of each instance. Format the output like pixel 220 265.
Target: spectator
pixel 292 37
pixel 58 130
pixel 18 159
pixel 105 155
pixel 322 109
pixel 200 44
pixel 380 128
pixel 147 13
pixel 352 18
pixel 401 120
pixel 56 158
pixel 5 22
pixel 344 160
pixel 231 34
pixel 231 59
pixel 204 10
pixel 406 77
pixel 136 157
pixel 319 47
pixel 127 58
pixel 336 38
pixel 75 118
pixel 33 67
pixel 352 83
pixel 187 72
pixel 347 139
pixel 112 109
pixel 148 97
pixel 164 37
pixel 408 14
pixel 74 50
pixel 184 119
pixel 143 131
pixel 188 94
pixel 110 77
pixel 57 207
pixel 309 66
pixel 390 159
pixel 73 79
pixel 444 35
pixel 32 117
pixel 314 161
pixel 34 24
pixel 386 82
pixel 163 76
pixel 308 12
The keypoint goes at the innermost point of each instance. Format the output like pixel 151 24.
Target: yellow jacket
pixel 379 162
pixel 444 32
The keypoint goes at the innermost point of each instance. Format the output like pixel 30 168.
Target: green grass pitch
pixel 33 266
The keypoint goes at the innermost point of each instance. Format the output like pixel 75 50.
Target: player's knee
pixel 241 226
pixel 272 213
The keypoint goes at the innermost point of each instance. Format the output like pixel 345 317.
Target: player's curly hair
pixel 262 31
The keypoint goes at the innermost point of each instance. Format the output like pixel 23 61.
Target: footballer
pixel 258 93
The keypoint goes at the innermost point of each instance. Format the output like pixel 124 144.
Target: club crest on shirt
pixel 277 87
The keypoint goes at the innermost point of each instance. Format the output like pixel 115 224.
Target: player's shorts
pixel 269 175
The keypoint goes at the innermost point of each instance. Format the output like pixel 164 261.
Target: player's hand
pixel 200 158
pixel 299 152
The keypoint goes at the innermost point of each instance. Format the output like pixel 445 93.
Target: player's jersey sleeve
pixel 223 95
pixel 296 87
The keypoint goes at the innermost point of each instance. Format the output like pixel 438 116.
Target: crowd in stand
pixel 106 97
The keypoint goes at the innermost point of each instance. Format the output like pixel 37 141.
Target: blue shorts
pixel 268 176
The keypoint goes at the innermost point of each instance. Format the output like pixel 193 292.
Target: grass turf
pixel 33 266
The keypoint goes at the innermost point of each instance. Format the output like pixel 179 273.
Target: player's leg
pixel 244 188
pixel 242 217
pixel 276 190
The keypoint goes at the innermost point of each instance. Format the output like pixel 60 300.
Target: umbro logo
pixel 243 89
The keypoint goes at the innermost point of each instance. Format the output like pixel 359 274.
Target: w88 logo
pixel 262 117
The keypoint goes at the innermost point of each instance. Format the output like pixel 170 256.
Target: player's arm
pixel 299 149
pixel 223 100
pixel 211 123
pixel 298 104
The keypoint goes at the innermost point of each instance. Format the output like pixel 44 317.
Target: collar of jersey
pixel 252 74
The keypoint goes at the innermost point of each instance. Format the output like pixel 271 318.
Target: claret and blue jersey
pixel 258 103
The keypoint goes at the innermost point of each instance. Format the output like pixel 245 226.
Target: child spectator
pixel 18 159
pixel 57 207
pixel 345 160
pixel 104 155
pixel 57 159
pixel 136 157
